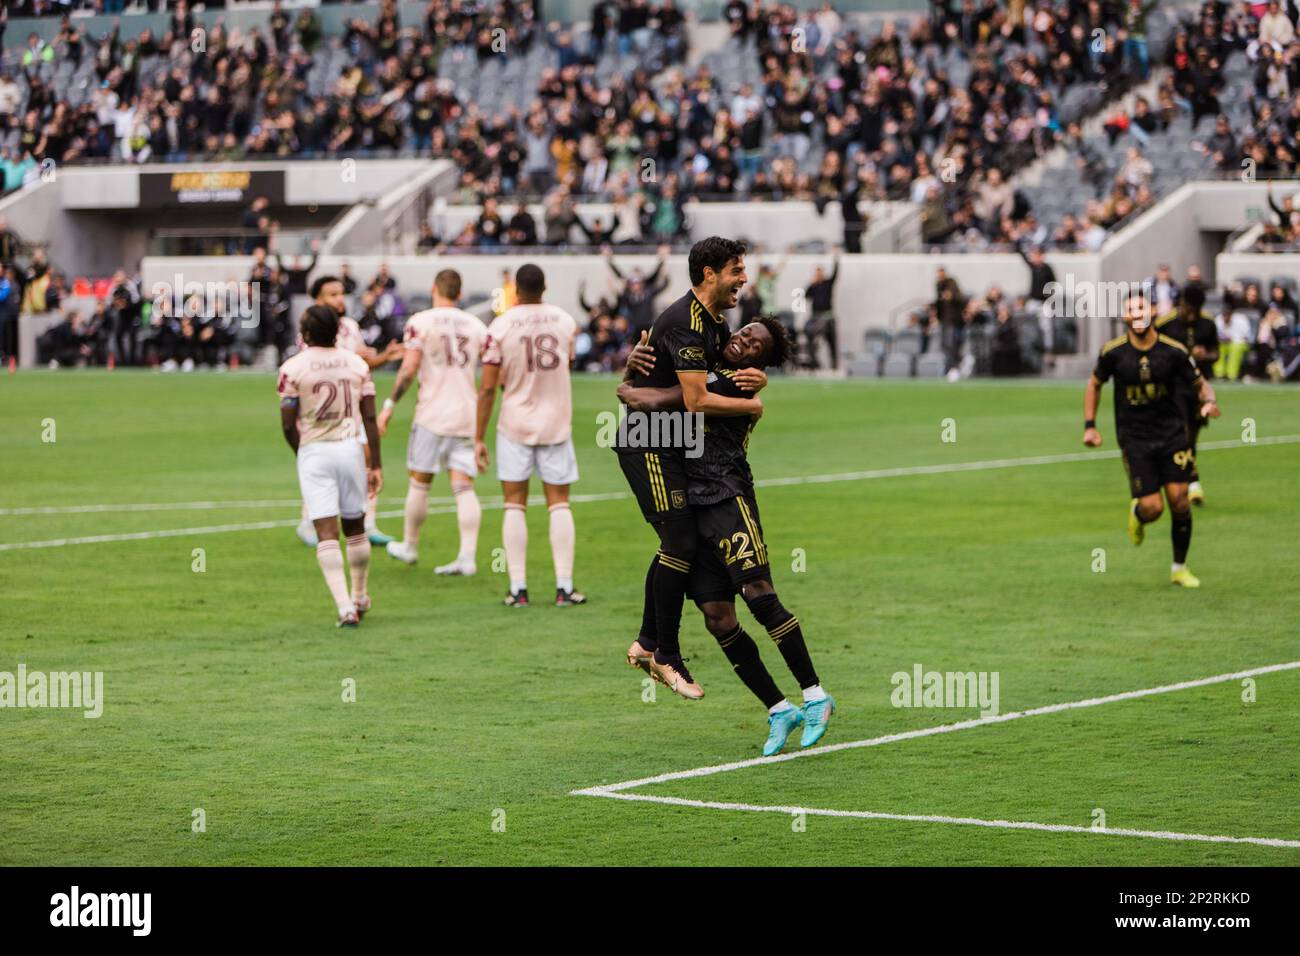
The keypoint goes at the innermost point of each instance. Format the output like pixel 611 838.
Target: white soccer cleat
pixel 307 534
pixel 457 567
pixel 400 551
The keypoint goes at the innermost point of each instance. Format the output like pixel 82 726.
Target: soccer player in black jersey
pixel 1195 330
pixel 731 555
pixel 685 340
pixel 1151 424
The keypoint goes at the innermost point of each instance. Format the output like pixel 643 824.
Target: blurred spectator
pixel 819 297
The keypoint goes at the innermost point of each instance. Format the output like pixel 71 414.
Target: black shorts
pixel 731 550
pixel 659 482
pixel 1150 467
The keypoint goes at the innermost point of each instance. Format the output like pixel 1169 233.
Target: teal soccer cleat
pixel 781 725
pixel 816 716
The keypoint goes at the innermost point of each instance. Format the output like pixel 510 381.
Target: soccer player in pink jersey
pixel 328 290
pixel 443 347
pixel 324 391
pixel 529 351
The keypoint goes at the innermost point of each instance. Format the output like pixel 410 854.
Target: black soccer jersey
pixel 1200 331
pixel 721 471
pixel 685 338
pixel 1147 389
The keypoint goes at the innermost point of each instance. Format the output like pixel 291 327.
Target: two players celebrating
pixel 702 507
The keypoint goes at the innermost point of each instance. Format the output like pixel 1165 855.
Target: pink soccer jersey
pixel 329 385
pixel 450 342
pixel 349 335
pixel 534 345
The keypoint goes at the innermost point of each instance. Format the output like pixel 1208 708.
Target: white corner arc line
pixel 618 790
pixel 495 504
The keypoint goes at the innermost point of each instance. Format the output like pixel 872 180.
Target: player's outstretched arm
pixel 1209 404
pixel 1091 399
pixel 651 399
pixel 289 422
pixel 405 376
pixel 487 394
pixel 375 479
pixel 697 398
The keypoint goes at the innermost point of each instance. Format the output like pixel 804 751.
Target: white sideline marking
pixel 964 821
pixel 175 506
pixel 496 503
pixel 616 790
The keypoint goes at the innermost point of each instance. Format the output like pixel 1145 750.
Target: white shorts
pixel 555 464
pixel 332 475
pixel 432 453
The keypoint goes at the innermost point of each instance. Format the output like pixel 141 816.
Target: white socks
pixel 563 535
pixel 359 563
pixel 784 705
pixel 1176 567
pixel 330 558
pixel 813 693
pixel 514 536
pixel 417 507
pixel 469 514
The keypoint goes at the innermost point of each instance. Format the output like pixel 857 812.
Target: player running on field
pixel 443 347
pixel 328 290
pixel 731 556
pixel 1195 330
pixel 324 392
pixel 529 351
pixel 1151 424
pixel 686 339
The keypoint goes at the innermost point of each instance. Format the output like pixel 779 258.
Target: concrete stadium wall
pixel 1236 266
pixel 765 225
pixel 76 243
pixel 327 182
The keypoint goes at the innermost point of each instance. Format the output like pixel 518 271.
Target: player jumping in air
pixel 686 339
pixel 1151 424
pixel 324 392
pixel 1196 331
pixel 443 347
pixel 328 290
pixel 528 354
pixel 731 556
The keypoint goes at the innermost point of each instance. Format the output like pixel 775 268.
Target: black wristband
pixel 1090 423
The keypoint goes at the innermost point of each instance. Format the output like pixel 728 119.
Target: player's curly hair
pixel 783 346
pixel 319 326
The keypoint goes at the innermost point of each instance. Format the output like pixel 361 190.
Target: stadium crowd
pixel 839 114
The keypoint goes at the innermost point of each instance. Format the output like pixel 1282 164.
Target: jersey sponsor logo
pixel 691 353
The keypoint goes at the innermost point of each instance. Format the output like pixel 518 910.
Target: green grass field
pixel 223 688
